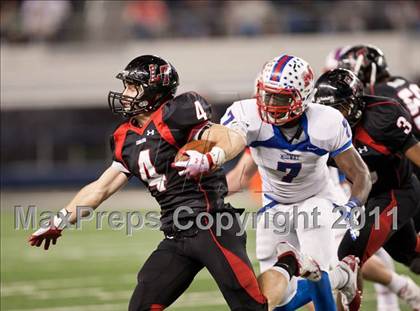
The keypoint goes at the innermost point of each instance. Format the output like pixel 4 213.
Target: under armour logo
pixel 362 149
pixel 150 132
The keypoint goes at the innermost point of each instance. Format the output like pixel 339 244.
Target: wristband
pixel 217 155
pixel 354 202
pixel 58 219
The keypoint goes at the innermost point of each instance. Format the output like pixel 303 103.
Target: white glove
pixel 50 233
pixel 199 163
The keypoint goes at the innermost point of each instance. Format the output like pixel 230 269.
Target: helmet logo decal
pixel 163 75
pixel 307 77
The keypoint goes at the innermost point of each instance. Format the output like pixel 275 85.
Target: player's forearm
pixel 356 170
pixel 96 192
pixel 88 196
pixel 230 141
pixel 361 187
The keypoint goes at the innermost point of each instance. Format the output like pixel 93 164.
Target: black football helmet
pixel 366 61
pixel 341 89
pixel 156 81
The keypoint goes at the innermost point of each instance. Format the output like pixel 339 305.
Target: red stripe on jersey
pixel 378 237
pixel 364 137
pixel 382 103
pixel 242 271
pixel 119 139
pixel 156 307
pixel 163 128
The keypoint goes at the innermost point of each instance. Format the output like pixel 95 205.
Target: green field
pixel 95 270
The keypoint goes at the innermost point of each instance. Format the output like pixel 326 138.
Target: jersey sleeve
pixel 187 115
pixel 116 160
pixel 343 140
pixel 235 119
pixel 331 131
pixel 394 128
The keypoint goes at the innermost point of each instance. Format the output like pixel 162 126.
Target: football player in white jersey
pixel 290 141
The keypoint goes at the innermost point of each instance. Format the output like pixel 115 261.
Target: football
pixel 202 146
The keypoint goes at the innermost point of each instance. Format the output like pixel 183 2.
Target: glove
pixel 351 217
pixel 50 233
pixel 199 163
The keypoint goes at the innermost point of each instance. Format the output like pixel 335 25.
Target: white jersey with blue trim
pixel 291 171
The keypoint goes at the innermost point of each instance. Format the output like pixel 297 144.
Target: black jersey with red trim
pixel 381 138
pixel 405 92
pixel 148 151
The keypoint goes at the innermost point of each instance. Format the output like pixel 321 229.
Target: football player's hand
pixel 50 233
pixel 350 216
pixel 197 164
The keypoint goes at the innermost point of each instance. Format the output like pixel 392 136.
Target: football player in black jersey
pixel 157 124
pixel 383 136
pixel 369 64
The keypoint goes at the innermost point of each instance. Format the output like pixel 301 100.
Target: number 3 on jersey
pixel 291 170
pixel 148 172
pixel 199 110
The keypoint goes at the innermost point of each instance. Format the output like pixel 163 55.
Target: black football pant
pixel 399 239
pixel 171 268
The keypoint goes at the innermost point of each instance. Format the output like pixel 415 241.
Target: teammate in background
pixel 382 136
pixel 369 64
pixel 331 61
pixel 144 145
pixel 290 142
pixel 380 267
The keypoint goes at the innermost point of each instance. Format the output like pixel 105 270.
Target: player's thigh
pixel 402 244
pixel 163 278
pixel 226 259
pixel 313 220
pixel 273 228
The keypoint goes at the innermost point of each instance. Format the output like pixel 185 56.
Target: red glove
pixel 50 233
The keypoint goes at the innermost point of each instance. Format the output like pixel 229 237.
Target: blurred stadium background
pixel 58 62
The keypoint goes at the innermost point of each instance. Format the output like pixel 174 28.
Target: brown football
pixel 202 146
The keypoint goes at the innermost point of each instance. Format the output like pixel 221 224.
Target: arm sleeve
pixel 116 163
pixel 235 119
pixel 331 131
pixel 187 115
pixel 343 140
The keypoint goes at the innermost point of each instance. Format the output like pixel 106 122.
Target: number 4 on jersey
pixel 199 110
pixel 148 172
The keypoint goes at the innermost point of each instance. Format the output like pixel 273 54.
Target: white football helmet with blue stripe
pixel 284 88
